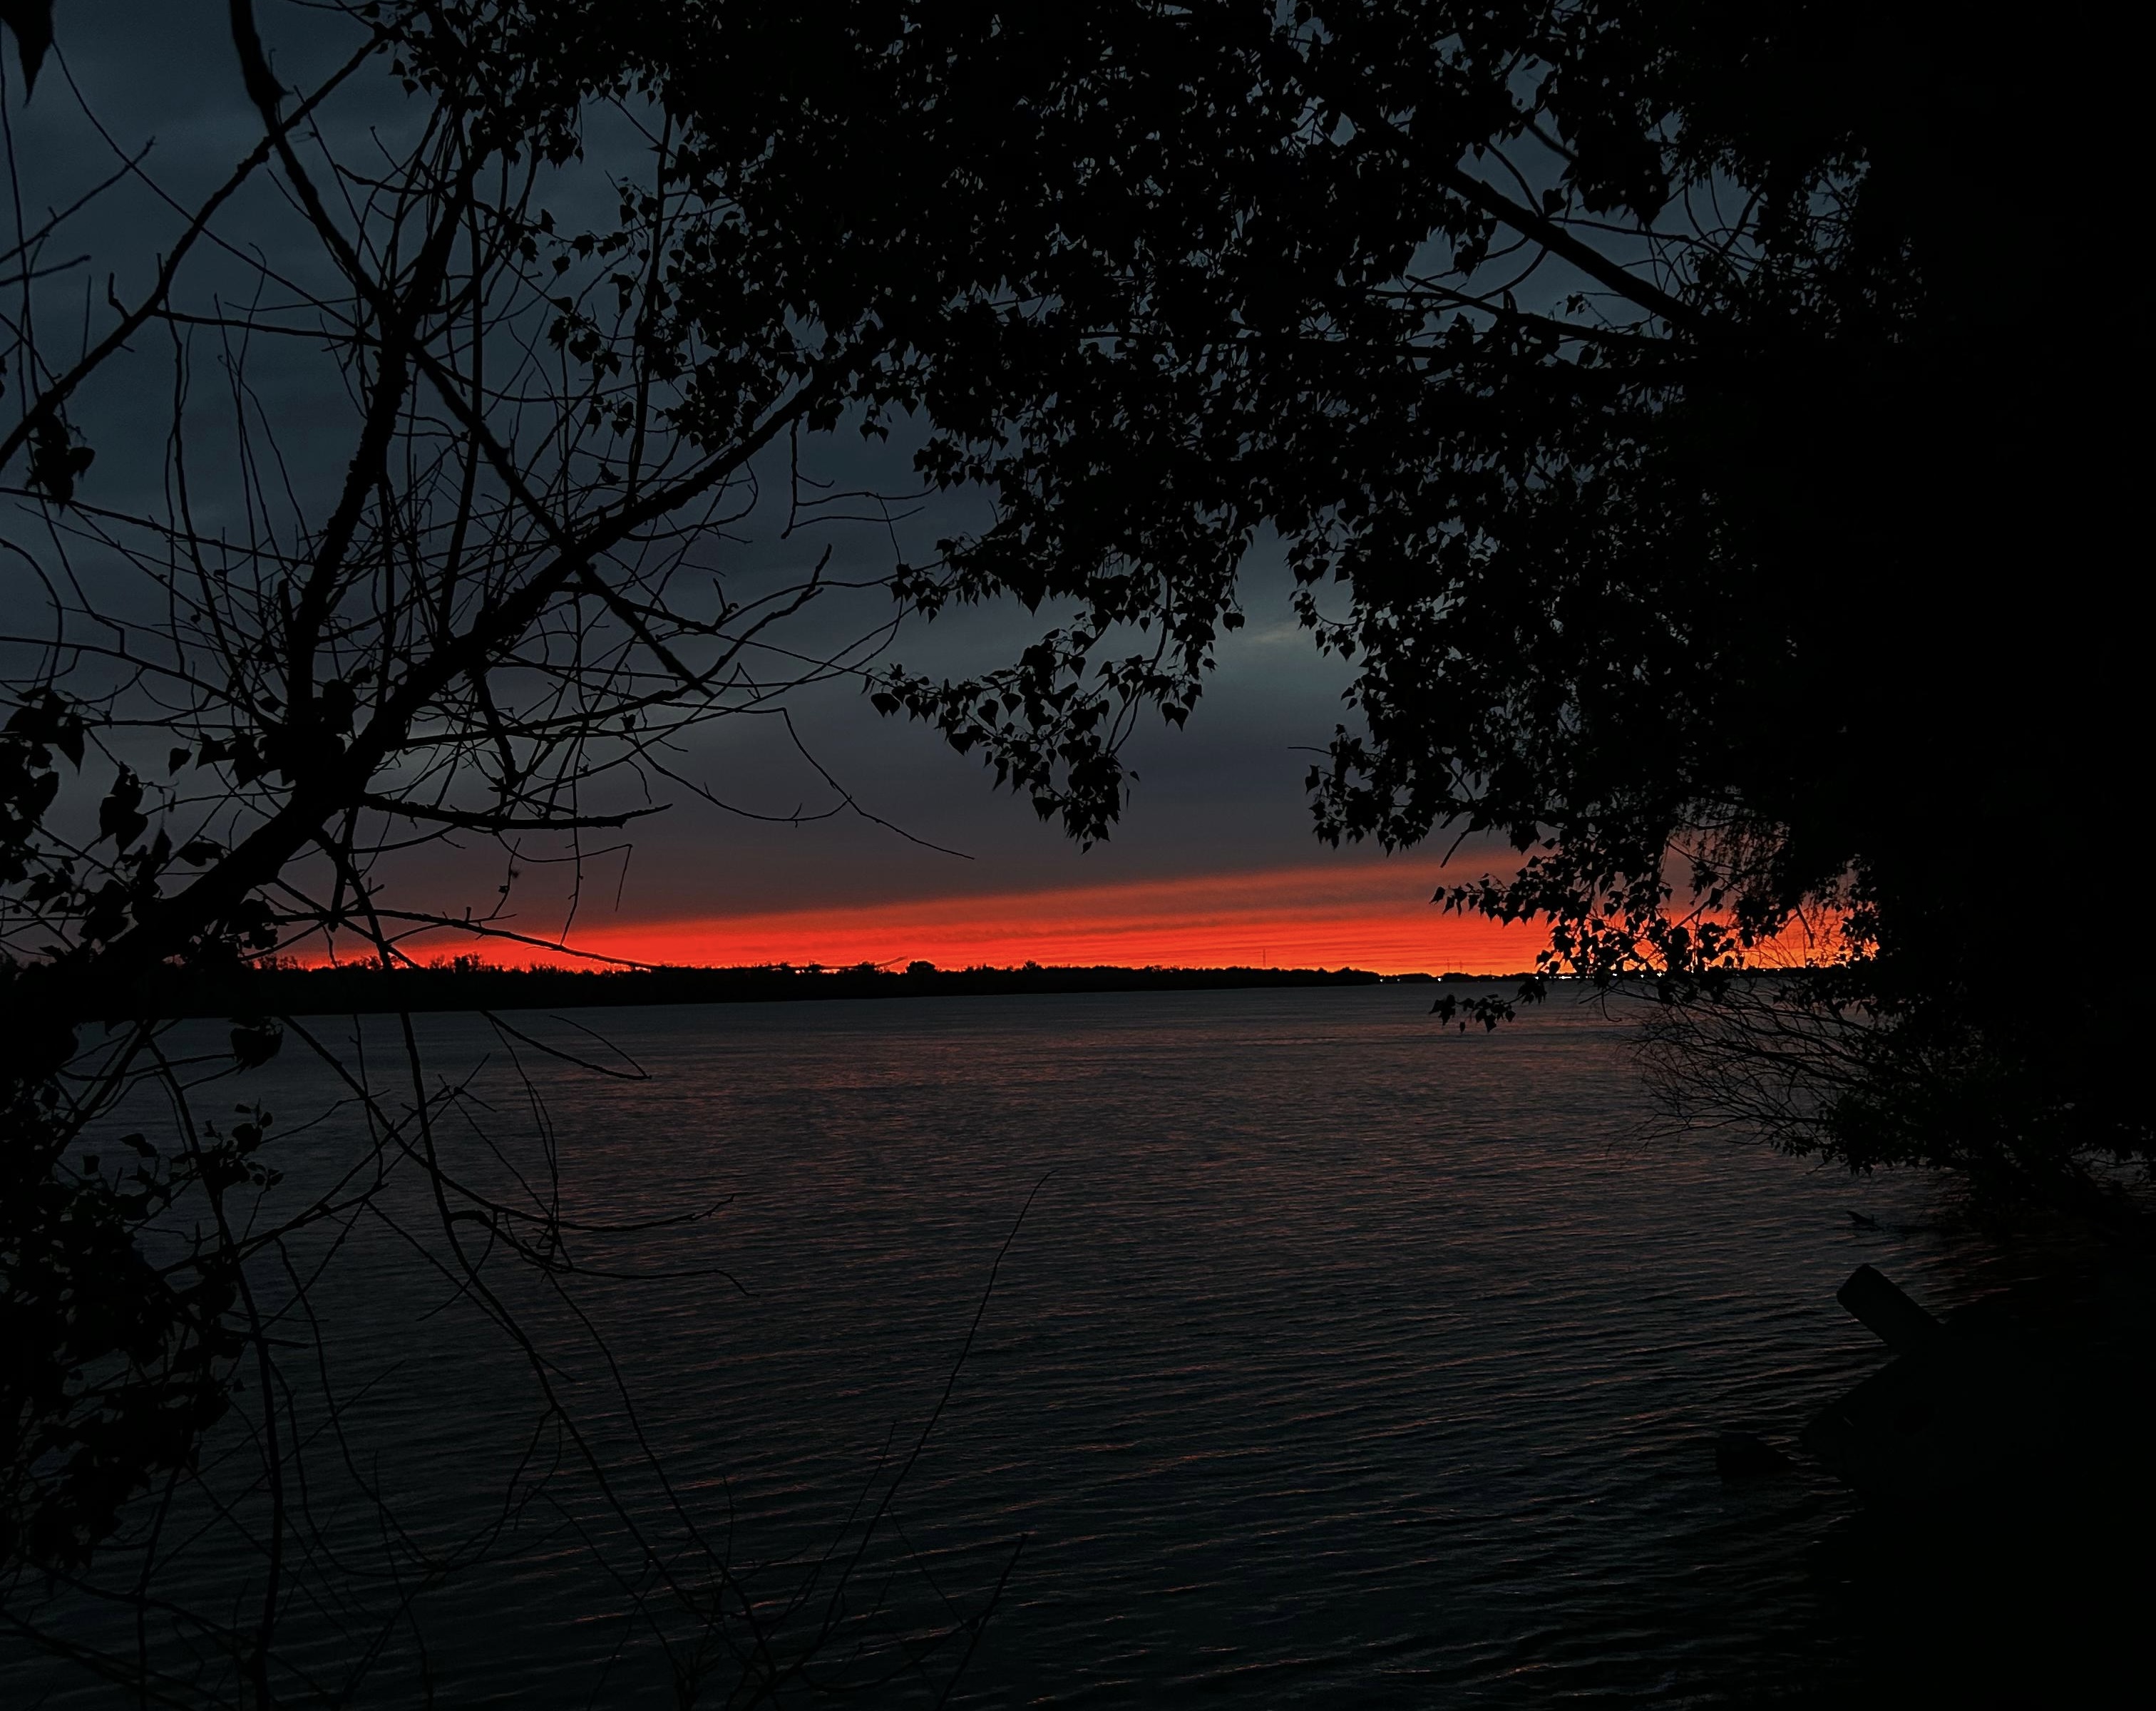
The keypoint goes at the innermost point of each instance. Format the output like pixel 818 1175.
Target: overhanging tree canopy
pixel 1708 427
pixel 1702 424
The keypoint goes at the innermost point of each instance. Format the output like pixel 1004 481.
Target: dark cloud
pixel 1225 794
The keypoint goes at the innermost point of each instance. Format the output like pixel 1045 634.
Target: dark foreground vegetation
pixel 1652 400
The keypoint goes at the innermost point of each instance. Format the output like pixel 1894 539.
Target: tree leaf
pixel 31 22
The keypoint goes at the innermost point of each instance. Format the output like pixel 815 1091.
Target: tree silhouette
pixel 243 700
pixel 1683 416
pixel 1702 425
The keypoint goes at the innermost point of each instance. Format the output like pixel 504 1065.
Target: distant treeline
pixel 468 985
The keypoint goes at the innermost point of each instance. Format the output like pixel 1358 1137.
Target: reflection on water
pixel 1337 1360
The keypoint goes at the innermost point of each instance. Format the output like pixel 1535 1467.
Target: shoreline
pixel 358 991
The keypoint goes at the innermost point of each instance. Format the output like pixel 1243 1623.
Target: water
pixel 1336 1359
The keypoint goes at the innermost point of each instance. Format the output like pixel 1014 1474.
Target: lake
pixel 1337 1360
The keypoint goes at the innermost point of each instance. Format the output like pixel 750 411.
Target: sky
pixel 1215 862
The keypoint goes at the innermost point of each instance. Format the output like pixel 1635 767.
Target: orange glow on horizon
pixel 1373 916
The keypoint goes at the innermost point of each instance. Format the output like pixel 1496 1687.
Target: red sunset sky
pixel 1376 915
pixel 1213 862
